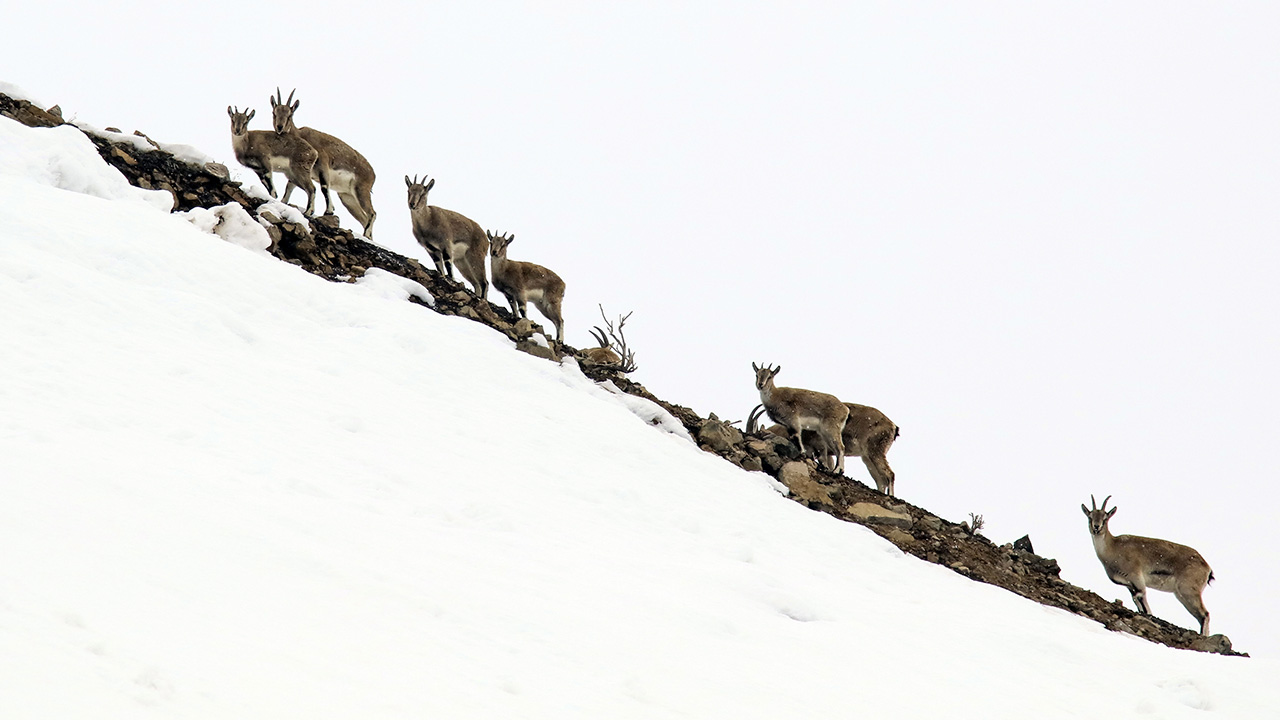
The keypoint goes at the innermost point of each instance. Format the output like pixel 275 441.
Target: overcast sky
pixel 1039 236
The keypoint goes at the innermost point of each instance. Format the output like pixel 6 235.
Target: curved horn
pixel 291 92
pixel 1104 504
pixel 1093 501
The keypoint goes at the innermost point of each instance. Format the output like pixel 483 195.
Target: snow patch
pixel 648 411
pixel 18 93
pixel 232 223
pixel 137 142
pixel 62 157
pixel 388 285
pixel 288 213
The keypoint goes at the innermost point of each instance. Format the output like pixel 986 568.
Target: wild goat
pixel 868 433
pixel 522 282
pixel 265 152
pixel 338 166
pixel 799 410
pixel 448 237
pixel 1141 562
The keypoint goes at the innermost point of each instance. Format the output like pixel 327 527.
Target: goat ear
pixel 229 110
pixel 755 367
pixel 407 182
pixel 295 105
pixel 1111 512
pixel 1084 509
pixel 431 184
pixel 251 114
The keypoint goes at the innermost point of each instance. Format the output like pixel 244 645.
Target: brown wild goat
pixel 448 237
pixel 524 282
pixel 265 152
pixel 799 410
pixel 1139 563
pixel 868 433
pixel 338 165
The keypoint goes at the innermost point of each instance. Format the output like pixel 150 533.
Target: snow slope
pixel 232 489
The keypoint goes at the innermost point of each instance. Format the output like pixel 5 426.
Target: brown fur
pixel 799 410
pixel 868 434
pixel 1139 563
pixel 264 152
pixel 522 282
pixel 449 238
pixel 338 166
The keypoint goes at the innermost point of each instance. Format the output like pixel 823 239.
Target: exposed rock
pixel 1024 544
pixel 932 522
pixel 528 346
pixel 872 514
pixel 151 142
pixel 799 479
pixel 523 328
pixel 217 170
pixel 719 435
pixel 1213 643
pixel 120 153
pixel 898 537
pixel 28 114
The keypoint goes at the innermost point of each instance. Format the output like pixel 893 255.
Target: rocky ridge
pixel 334 253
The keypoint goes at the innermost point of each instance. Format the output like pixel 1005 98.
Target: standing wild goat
pixel 522 282
pixel 448 237
pixel 265 152
pixel 868 433
pixel 799 410
pixel 1141 562
pixel 338 166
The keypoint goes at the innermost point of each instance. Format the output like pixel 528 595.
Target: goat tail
pixel 1210 580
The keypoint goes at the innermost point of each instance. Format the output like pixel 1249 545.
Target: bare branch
pixel 614 338
pixel 974 525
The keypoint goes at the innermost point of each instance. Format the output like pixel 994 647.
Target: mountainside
pixel 240 489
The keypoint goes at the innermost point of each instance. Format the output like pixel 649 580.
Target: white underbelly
pixel 342 181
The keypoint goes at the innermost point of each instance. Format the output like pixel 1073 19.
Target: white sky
pixel 1033 234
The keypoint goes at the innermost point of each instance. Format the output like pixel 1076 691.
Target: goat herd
pixel 305 156
pixel 817 422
